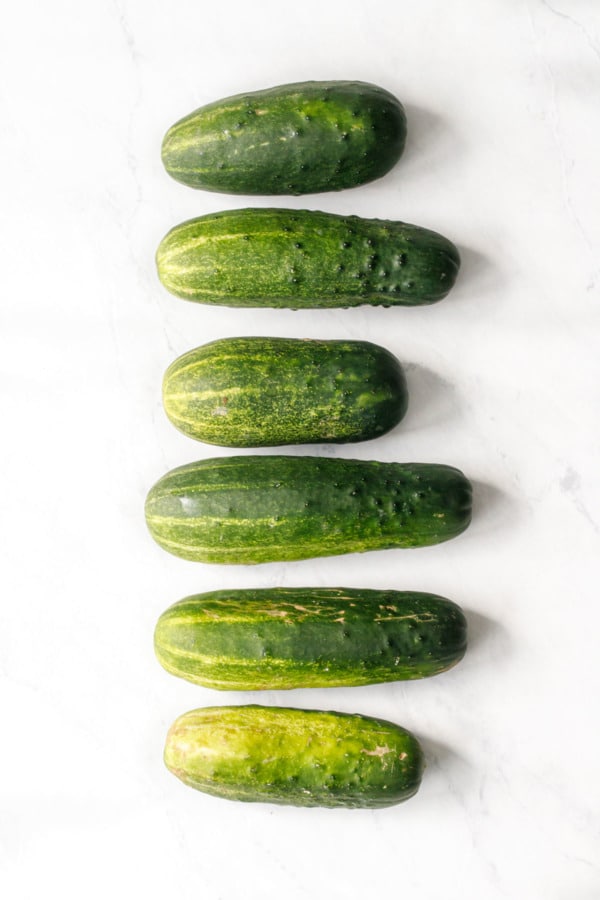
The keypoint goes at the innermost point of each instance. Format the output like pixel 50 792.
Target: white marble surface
pixel 503 150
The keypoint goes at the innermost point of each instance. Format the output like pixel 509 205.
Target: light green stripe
pixel 202 361
pixel 177 490
pixel 251 548
pixel 199 395
pixel 184 246
pixel 199 240
pixel 277 520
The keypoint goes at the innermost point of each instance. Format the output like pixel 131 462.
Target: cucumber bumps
pixel 305 259
pixel 292 139
pixel 264 391
pixel 255 509
pixel 282 638
pixel 294 756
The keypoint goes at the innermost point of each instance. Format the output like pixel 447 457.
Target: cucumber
pixel 255 509
pixel 282 638
pixel 294 756
pixel 292 139
pixel 301 259
pixel 262 391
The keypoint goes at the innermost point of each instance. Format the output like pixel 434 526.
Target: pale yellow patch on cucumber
pixel 378 751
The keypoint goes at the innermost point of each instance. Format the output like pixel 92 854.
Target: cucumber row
pixel 259 392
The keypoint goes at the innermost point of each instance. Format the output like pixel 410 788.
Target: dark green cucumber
pixel 291 139
pixel 255 509
pixel 281 638
pixel 260 392
pixel 294 756
pixel 305 259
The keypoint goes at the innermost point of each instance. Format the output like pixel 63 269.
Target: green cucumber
pixel 294 756
pixel 260 392
pixel 301 259
pixel 255 509
pixel 292 139
pixel 282 638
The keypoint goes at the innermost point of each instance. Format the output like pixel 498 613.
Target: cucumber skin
pixel 291 139
pixel 305 259
pixel 255 509
pixel 294 756
pixel 285 638
pixel 261 392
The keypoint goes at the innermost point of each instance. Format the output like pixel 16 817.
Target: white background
pixel 502 157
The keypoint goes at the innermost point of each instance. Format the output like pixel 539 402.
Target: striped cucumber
pixel 294 756
pixel 301 259
pixel 290 139
pixel 281 638
pixel 255 509
pixel 262 391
